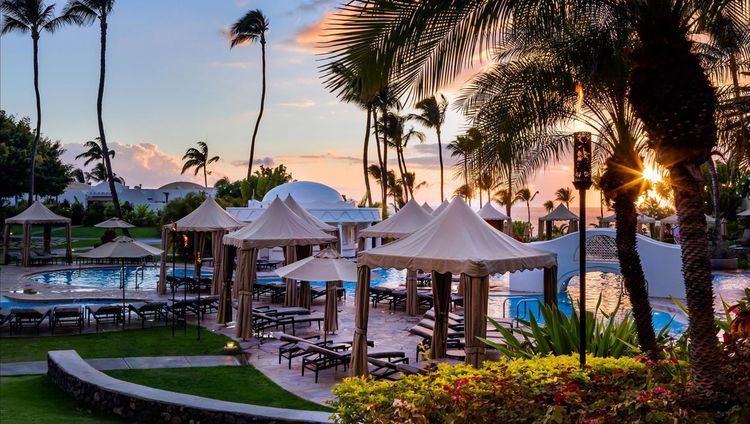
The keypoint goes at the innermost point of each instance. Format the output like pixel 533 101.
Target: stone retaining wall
pixel 148 405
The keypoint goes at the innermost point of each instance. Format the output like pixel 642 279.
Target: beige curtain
pixel 412 301
pixel 441 295
pixel 572 226
pixel 217 251
pixel 26 250
pixel 476 296
pixel 224 314
pixel 460 289
pixel 162 287
pixel 304 295
pixel 68 241
pixel 6 243
pixel 550 286
pixel 290 296
pixel 331 315
pixel 245 279
pixel 358 365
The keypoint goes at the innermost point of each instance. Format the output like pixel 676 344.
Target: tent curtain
pixel 573 226
pixel 26 252
pixel 412 301
pixel 223 281
pixel 358 364
pixel 162 287
pixel 441 295
pixel 461 288
pixel 476 296
pixel 331 318
pixel 304 295
pixel 68 240
pixel 290 296
pixel 550 285
pixel 245 279
pixel 217 251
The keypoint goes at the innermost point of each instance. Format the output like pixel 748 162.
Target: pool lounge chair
pixel 28 316
pixel 63 316
pixel 319 358
pixel 291 348
pixel 105 314
pixel 5 318
pixel 205 305
pixel 146 310
pixel 392 370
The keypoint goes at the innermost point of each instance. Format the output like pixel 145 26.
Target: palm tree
pixel 485 181
pixel 505 198
pixel 549 205
pixel 462 148
pixel 34 17
pixel 95 152
pixel 198 159
pixel 385 100
pixel 465 191
pixel 432 115
pixel 564 195
pixel 524 195
pixel 99 173
pixel 77 175
pixel 250 28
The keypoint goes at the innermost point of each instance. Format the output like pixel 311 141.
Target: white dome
pixel 305 192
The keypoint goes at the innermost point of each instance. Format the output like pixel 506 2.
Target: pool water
pixel 147 277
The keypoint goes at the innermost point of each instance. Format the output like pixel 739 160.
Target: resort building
pixel 324 203
pixel 154 198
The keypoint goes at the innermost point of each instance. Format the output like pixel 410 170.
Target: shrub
pixel 77 213
pixel 94 214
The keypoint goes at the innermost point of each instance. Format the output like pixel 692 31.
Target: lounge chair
pixel 319 358
pixel 5 318
pixel 263 322
pixel 28 316
pixel 205 305
pixel 282 311
pixel 380 294
pixel 67 315
pixel 455 338
pixel 292 346
pixel 146 310
pixel 389 370
pixel 105 314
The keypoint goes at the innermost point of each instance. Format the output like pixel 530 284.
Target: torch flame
pixel 579 99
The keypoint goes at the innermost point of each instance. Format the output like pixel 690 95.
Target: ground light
pixel 582 181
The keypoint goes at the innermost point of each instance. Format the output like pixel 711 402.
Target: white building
pixel 325 203
pixel 154 198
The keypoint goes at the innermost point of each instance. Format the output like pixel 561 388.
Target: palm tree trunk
pixel 528 220
pixel 704 351
pixel 384 164
pixel 410 185
pixel 380 157
pixel 262 104
pixel 715 200
pixel 440 156
pixel 205 176
pixel 510 196
pixel 100 121
pixel 35 38
pixel 364 159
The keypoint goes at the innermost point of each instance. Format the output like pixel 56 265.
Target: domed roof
pixel 181 185
pixel 305 192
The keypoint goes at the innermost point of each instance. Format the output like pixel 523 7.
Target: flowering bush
pixel 543 389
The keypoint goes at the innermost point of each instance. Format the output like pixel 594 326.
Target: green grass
pixel 156 341
pixel 243 384
pixel 34 399
pixel 93 232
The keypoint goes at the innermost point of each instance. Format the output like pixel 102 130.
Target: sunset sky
pixel 172 81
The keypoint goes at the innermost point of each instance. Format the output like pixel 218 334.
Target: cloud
pixel 425 156
pixel 311 38
pixel 232 65
pixel 299 103
pixel 266 161
pixel 332 156
pixel 310 6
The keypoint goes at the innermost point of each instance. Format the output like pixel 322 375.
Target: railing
pixel 525 303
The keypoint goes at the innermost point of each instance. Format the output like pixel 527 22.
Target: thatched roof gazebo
pixel 277 226
pixel 457 241
pixel 560 213
pixel 208 218
pixel 37 214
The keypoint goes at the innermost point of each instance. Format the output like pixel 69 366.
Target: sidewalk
pixel 107 364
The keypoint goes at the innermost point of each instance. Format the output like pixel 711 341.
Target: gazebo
pixel 440 208
pixel 674 220
pixel 560 213
pixel 208 218
pixel 277 226
pixel 427 208
pixel 37 214
pixel 406 221
pixel 641 219
pixel 455 242
pixel 493 216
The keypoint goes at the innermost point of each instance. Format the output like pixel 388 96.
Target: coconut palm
pixel 462 149
pixel 505 198
pixel 549 205
pixel 78 175
pixel 248 29
pixel 99 173
pixel 33 17
pixel 564 195
pixel 94 152
pixel 384 100
pixel 465 191
pixel 432 115
pixel 524 195
pixel 199 159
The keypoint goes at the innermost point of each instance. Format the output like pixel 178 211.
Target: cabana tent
pixel 406 221
pixel 37 214
pixel 641 219
pixel 277 226
pixel 493 216
pixel 673 220
pixel 455 242
pixel 211 218
pixel 440 208
pixel 427 208
pixel 560 213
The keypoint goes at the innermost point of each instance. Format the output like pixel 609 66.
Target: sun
pixel 651 174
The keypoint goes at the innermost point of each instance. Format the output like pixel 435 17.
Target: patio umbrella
pixel 122 247
pixel 114 223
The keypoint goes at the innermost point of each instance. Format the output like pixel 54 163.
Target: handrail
pixel 524 302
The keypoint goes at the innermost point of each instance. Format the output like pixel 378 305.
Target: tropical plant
pixel 98 174
pixel 549 205
pixel 94 152
pixel 465 191
pixel 251 28
pixel 524 195
pixel 399 140
pixel 564 195
pixel 505 198
pixel 198 159
pixel 34 17
pixel 463 148
pixel 432 115
pixel 77 175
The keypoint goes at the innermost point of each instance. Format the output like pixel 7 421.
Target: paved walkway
pixel 107 364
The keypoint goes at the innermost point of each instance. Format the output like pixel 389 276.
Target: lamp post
pixel 582 181
pixel 184 283
pixel 199 260
pixel 173 230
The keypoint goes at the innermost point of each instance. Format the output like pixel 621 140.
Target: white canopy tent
pixel 427 208
pixel 440 208
pixel 493 216
pixel 560 213
pixel 307 216
pixel 36 214
pixel 457 241
pixel 673 220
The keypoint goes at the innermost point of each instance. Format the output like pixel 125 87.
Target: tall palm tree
pixel 524 195
pixel 34 17
pixel 564 195
pixel 95 152
pixel 503 197
pixel 485 182
pixel 198 159
pixel 384 100
pixel 432 115
pixel 462 148
pixel 99 173
pixel 549 205
pixel 250 28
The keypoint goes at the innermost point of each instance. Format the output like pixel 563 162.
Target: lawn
pixel 93 232
pixel 243 384
pixel 34 399
pixel 156 341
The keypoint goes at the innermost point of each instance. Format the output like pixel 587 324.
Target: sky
pixel 172 81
